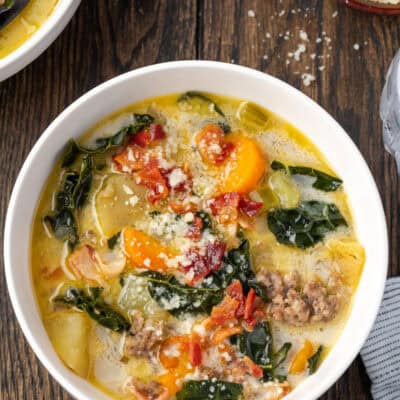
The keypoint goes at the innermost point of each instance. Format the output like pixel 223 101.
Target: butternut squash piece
pixel 145 251
pixel 299 362
pixel 245 166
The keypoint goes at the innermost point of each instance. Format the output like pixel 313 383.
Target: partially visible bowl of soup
pixel 31 31
pixel 195 230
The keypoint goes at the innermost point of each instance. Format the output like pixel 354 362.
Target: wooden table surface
pixel 106 38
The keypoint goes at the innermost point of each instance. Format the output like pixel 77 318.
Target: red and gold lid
pixel 375 6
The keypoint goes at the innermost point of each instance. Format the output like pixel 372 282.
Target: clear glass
pixel 390 110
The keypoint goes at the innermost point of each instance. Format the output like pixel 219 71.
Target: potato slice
pixel 285 189
pixel 350 256
pixel 68 332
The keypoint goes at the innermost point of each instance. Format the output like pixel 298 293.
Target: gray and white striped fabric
pixel 381 351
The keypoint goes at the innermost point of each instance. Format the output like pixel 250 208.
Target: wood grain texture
pixel 106 38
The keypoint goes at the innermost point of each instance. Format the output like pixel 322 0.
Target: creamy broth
pixel 25 25
pixel 178 196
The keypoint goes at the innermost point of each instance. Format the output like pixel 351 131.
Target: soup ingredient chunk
pixel 305 225
pixel 68 331
pixel 179 298
pixel 245 167
pixel 212 144
pixel 144 251
pixel 144 336
pixel 212 390
pixel 295 305
pixel 90 301
pixel 322 181
pixel 149 391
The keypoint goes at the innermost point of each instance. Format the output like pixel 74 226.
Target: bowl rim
pixel 347 357
pixel 35 45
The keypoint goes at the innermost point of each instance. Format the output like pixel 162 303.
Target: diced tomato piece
pixel 254 369
pixel 141 138
pixel 228 205
pixel 154 181
pixel 249 307
pixel 182 208
pixel 177 179
pixel 235 290
pixel 249 207
pixel 148 135
pixel 157 132
pixel 194 231
pixel 202 264
pixel 225 207
pixel 224 311
pixel 133 158
pixel 195 356
pixel 212 145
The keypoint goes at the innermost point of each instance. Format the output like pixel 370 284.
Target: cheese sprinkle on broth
pixel 194 246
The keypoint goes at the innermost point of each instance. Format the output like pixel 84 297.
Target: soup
pixel 194 246
pixel 25 25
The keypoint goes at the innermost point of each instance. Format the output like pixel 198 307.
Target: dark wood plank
pixel 107 38
pixel 348 84
pixel 103 40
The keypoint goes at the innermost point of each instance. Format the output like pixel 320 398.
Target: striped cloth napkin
pixel 381 351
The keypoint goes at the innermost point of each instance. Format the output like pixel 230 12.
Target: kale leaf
pixel 82 187
pixel 313 361
pixel 237 266
pixel 305 225
pixel 258 346
pixel 195 95
pixel 178 298
pixel 63 226
pixel 102 145
pixel 323 181
pixel 72 196
pixel 90 301
pixel 212 390
pixel 113 240
pixel 64 198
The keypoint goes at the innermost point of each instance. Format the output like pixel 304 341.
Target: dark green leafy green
pixel 205 219
pixel 305 225
pixel 7 5
pixel 72 196
pixel 258 346
pixel 195 95
pixel 82 187
pixel 63 226
pixel 64 198
pixel 237 266
pixel 211 390
pixel 323 181
pixel 113 240
pixel 90 301
pixel 102 145
pixel 178 298
pixel 313 361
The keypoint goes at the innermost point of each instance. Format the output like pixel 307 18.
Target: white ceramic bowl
pixel 226 79
pixel 40 40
